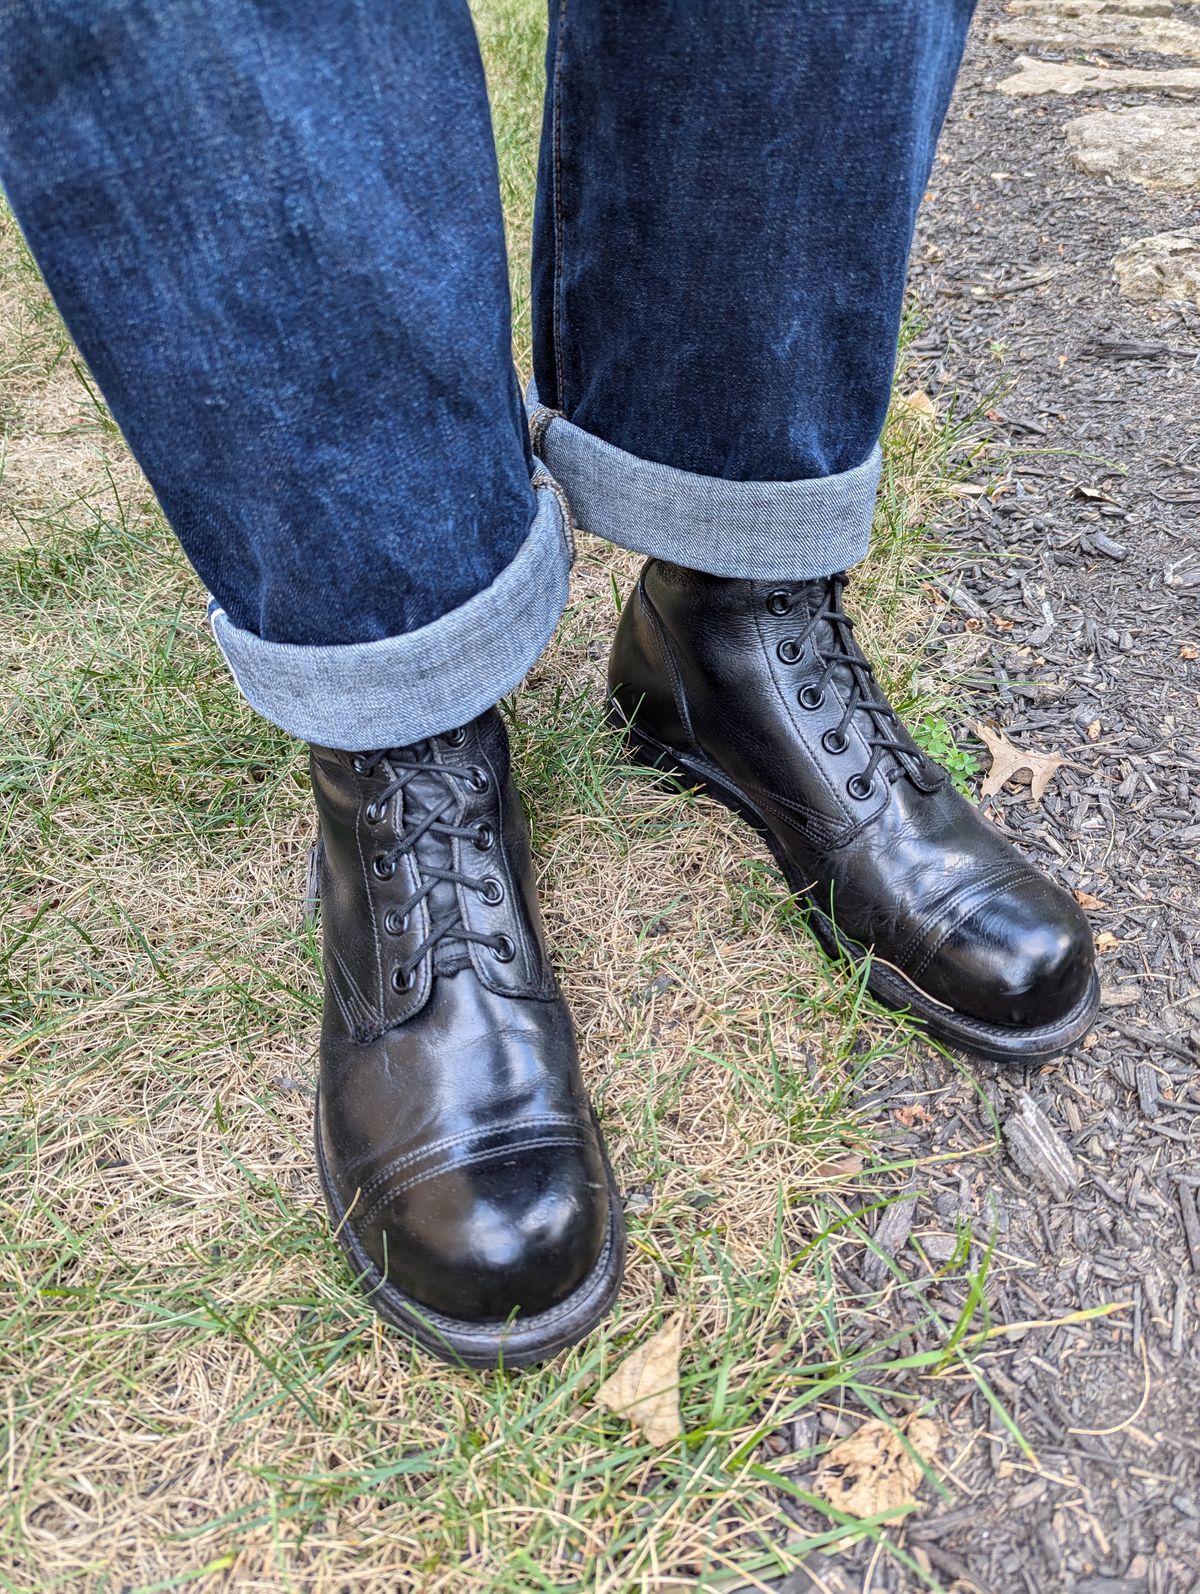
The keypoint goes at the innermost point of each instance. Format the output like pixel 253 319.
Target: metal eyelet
pixel 779 602
pixel 395 922
pixel 359 764
pixel 485 837
pixel 504 950
pixel 492 891
pixel 478 779
pixel 835 742
pixel 383 867
pixel 860 787
pixel 790 651
pixel 372 813
pixel 402 981
pixel 810 697
pixel 456 737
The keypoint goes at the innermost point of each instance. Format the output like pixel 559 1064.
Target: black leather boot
pixel 757 692
pixel 462 1164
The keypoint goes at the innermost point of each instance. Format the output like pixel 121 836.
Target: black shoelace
pixel 835 650
pixel 403 765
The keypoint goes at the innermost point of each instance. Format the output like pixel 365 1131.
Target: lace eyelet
pixel 402 981
pixel 372 813
pixel 395 922
pixel 859 787
pixel 504 950
pixel 383 867
pixel 485 837
pixel 779 602
pixel 790 651
pixel 492 891
pixel 835 742
pixel 456 737
pixel 810 697
pixel 478 779
pixel 359 764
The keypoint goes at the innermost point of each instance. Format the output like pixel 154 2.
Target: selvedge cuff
pixel 751 531
pixel 360 695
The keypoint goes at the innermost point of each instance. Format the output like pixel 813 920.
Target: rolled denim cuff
pixel 362 695
pixel 751 531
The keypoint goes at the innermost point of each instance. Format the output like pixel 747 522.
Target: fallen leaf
pixel 645 1387
pixel 1093 495
pixel 1001 623
pixel 1189 650
pixel 873 1470
pixel 848 1166
pixel 1086 900
pixel 1008 761
pixel 918 407
pixel 1106 941
pixel 1093 731
pixel 910 1117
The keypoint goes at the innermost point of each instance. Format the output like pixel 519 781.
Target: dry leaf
pixel 847 1166
pixel 1106 941
pixel 873 1471
pixel 645 1387
pixel 1086 900
pixel 1008 761
pixel 1093 731
pixel 1189 650
pixel 1095 495
pixel 918 407
pixel 910 1117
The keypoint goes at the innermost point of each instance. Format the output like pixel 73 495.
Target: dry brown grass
pixel 191 1389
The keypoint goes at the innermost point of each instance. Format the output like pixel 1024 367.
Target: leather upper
pixel 749 679
pixel 455 1125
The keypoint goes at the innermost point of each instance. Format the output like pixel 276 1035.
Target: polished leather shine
pixel 759 692
pixel 456 1140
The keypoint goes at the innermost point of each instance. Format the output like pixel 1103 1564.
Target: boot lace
pixel 402 766
pixel 830 631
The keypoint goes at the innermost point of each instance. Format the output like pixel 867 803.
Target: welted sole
pixel 520 1342
pixel 996 1042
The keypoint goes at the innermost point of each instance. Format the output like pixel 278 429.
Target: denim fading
pixel 275 233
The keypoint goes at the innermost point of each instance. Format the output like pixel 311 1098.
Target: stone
pixel 1155 35
pixel 1163 266
pixel 1073 77
pixel 1157 146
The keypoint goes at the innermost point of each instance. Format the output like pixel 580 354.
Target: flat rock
pixel 1157 146
pixel 1090 8
pixel 1074 77
pixel 1136 35
pixel 1163 266
pixel 1039 1150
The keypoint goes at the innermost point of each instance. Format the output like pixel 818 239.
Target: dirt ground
pixel 1081 590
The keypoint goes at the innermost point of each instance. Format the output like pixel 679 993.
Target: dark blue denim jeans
pixel 274 231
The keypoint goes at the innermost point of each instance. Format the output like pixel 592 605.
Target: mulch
pixel 1078 575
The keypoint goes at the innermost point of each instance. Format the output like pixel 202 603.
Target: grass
pixel 192 1393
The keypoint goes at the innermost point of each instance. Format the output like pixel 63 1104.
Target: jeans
pixel 274 231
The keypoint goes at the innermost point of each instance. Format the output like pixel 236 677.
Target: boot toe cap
pixel 1025 958
pixel 513 1232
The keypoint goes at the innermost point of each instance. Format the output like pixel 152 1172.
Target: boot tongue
pixel 428 792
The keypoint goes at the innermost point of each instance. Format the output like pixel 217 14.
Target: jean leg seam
pixel 559 229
